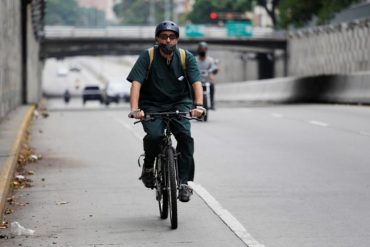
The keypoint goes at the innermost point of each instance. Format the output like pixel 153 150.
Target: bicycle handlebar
pixel 167 115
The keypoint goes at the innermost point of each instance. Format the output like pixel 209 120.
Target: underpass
pixel 290 175
pixel 271 175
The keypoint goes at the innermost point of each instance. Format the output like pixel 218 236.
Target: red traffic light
pixel 213 15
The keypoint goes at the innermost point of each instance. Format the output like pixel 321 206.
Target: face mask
pixel 167 48
pixel 202 54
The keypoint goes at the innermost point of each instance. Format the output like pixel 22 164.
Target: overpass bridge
pixel 69 41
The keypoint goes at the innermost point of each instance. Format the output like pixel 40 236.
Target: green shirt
pixel 166 87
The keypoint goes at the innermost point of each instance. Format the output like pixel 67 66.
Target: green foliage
pixel 300 12
pixel 203 8
pixel 61 12
pixel 67 12
pixel 132 12
pixel 138 11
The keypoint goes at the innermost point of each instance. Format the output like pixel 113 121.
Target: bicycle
pixel 206 84
pixel 166 172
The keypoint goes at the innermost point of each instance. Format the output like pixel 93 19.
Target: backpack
pixel 182 59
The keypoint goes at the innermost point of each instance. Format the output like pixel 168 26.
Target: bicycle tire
pixel 206 105
pixel 161 189
pixel 172 186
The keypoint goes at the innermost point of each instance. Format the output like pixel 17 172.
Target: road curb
pixel 7 172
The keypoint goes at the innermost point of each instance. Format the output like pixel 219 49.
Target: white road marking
pixel 318 123
pixel 277 115
pixel 364 133
pixel 236 227
pixel 130 127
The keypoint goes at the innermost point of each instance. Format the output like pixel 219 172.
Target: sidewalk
pixel 12 131
pixel 85 190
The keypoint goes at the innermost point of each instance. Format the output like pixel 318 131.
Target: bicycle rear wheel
pixel 161 189
pixel 172 186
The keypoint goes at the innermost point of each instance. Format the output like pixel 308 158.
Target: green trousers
pixel 185 145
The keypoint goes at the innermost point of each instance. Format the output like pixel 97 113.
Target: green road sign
pixel 239 29
pixel 194 31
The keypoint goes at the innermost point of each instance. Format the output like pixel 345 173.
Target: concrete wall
pixel 333 49
pixel 10 56
pixel 351 88
pixel 34 65
pixel 243 66
pixel 14 61
pixel 234 65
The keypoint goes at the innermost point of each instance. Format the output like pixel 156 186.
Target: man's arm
pixel 134 100
pixel 198 99
pixel 198 93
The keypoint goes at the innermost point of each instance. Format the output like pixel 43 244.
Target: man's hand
pixel 198 112
pixel 137 114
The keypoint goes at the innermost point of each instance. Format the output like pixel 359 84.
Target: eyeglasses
pixel 165 36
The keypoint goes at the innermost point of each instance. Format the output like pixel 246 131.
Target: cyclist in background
pixel 209 64
pixel 163 86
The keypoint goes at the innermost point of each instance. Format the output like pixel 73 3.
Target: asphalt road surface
pixel 266 175
pixel 283 175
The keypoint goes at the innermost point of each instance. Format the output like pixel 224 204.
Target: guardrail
pixel 142 32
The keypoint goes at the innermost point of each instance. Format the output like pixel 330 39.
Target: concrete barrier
pixel 353 88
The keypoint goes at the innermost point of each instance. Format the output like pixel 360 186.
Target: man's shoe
pixel 185 192
pixel 147 176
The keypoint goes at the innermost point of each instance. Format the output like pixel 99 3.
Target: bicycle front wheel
pixel 161 189
pixel 172 186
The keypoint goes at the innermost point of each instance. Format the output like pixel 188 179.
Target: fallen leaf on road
pixel 21 182
pixel 33 157
pixel 10 200
pixel 62 203
pixel 8 211
pixel 4 225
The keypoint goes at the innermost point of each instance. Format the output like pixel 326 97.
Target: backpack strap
pixel 183 59
pixel 151 57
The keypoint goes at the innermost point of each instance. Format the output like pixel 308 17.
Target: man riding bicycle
pixel 159 84
pixel 208 64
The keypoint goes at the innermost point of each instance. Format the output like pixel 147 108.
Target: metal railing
pixel 139 32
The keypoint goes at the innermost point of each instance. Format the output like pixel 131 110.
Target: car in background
pixel 116 91
pixel 92 93
pixel 62 71
pixel 74 67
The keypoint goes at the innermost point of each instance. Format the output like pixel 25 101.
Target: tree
pixel 138 11
pixel 298 13
pixel 271 11
pixel 61 12
pixel 203 8
pixel 67 12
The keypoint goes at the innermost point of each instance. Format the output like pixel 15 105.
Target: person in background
pixel 209 64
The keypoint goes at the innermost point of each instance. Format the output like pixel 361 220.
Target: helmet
pixel 167 26
pixel 203 46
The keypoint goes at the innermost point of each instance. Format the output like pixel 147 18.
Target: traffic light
pixel 228 16
pixel 213 15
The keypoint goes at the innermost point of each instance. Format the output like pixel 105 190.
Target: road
pixel 294 175
pixel 266 175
